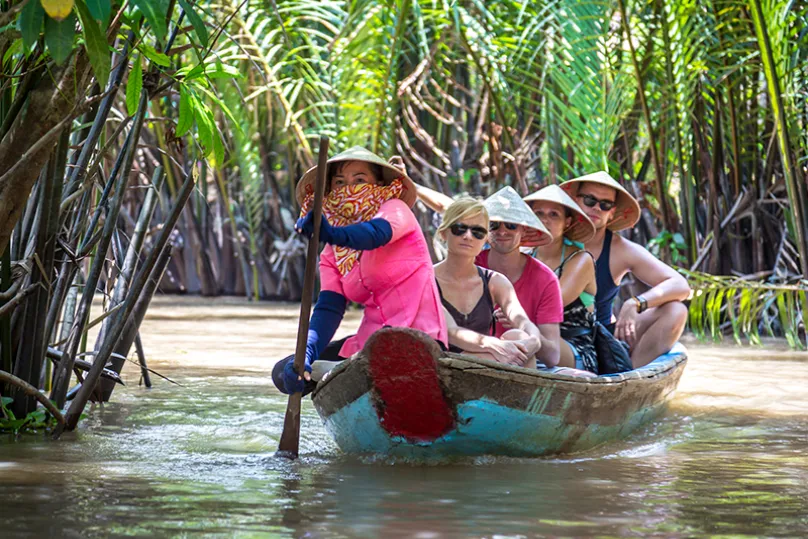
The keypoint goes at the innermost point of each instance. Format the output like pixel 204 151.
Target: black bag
pixel 613 354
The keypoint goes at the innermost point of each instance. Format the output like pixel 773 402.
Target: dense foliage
pixel 114 114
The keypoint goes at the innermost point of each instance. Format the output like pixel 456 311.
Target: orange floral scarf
pixel 350 205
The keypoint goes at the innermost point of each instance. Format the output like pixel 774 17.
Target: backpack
pixel 613 354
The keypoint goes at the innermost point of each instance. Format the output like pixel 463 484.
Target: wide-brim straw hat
pixel 508 207
pixel 627 209
pixel 390 172
pixel 581 227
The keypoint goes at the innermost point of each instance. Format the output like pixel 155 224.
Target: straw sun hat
pixel 627 209
pixel 390 172
pixel 581 229
pixel 507 206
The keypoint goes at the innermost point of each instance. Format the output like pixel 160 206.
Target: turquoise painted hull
pixel 501 410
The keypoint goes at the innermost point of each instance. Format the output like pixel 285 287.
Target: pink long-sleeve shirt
pixel 395 283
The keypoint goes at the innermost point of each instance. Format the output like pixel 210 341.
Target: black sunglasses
pixel 459 229
pixel 590 201
pixel 494 225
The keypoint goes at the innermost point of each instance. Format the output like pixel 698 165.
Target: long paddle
pixel 290 438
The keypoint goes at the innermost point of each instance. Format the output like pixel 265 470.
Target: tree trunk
pixel 24 150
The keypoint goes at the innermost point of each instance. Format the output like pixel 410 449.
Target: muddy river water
pixel 729 458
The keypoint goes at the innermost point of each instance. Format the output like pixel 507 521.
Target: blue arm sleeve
pixel 362 236
pixel 325 320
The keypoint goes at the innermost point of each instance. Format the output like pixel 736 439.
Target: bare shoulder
pixel 581 264
pixel 639 261
pixel 498 281
pixel 501 288
pixel 631 253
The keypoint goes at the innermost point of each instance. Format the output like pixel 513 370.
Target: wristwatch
pixel 642 304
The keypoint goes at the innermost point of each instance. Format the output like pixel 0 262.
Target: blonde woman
pixel 469 292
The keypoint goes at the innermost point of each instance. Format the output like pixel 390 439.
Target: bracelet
pixel 642 303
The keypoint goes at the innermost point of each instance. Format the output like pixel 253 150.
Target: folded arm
pixel 476 343
pixel 544 346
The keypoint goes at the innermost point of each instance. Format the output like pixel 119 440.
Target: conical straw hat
pixel 627 209
pixel 390 172
pixel 507 206
pixel 581 228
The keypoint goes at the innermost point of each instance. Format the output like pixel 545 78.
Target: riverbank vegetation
pixel 154 145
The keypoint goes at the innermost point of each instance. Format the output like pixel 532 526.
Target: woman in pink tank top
pixel 375 255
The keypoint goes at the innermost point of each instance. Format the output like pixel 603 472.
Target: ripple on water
pixel 730 458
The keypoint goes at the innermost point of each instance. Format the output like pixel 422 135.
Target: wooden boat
pixel 403 396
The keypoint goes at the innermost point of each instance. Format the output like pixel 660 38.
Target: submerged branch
pixel 31 391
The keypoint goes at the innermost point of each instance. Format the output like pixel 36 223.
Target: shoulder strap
pixel 563 262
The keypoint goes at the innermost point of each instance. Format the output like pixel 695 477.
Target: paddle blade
pixel 290 438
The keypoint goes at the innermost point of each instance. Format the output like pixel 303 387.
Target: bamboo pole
pixel 62 374
pixel 143 274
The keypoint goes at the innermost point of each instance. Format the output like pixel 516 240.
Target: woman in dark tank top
pixel 469 293
pixel 481 318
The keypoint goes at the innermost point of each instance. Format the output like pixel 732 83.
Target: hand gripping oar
pixel 290 438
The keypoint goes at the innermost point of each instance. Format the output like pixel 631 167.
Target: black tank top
pixel 481 317
pixel 607 289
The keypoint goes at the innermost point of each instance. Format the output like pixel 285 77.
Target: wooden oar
pixel 290 438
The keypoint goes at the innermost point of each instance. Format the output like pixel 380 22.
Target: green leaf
pixel 157 57
pixel 218 149
pixel 134 86
pixel 30 23
pixel 222 71
pixel 224 108
pixel 186 119
pixel 95 41
pixel 155 12
pixel 195 72
pixel 5 401
pixel 204 123
pixel 59 37
pixel 100 10
pixel 197 22
pixel 736 328
pixel 15 48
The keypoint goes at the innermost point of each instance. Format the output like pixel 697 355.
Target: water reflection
pixel 729 458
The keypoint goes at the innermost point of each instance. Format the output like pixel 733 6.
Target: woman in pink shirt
pixel 376 255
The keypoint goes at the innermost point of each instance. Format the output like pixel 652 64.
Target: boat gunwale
pixel 671 362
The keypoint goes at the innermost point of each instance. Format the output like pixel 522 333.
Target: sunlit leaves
pixel 745 307
pixel 95 41
pixel 59 37
pixel 134 86
pixel 157 57
pixel 57 9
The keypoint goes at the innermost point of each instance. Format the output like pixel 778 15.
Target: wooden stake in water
pixel 290 438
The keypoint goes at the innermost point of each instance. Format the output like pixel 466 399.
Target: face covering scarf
pixel 350 205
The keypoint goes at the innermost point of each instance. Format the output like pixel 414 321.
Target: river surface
pixel 730 458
